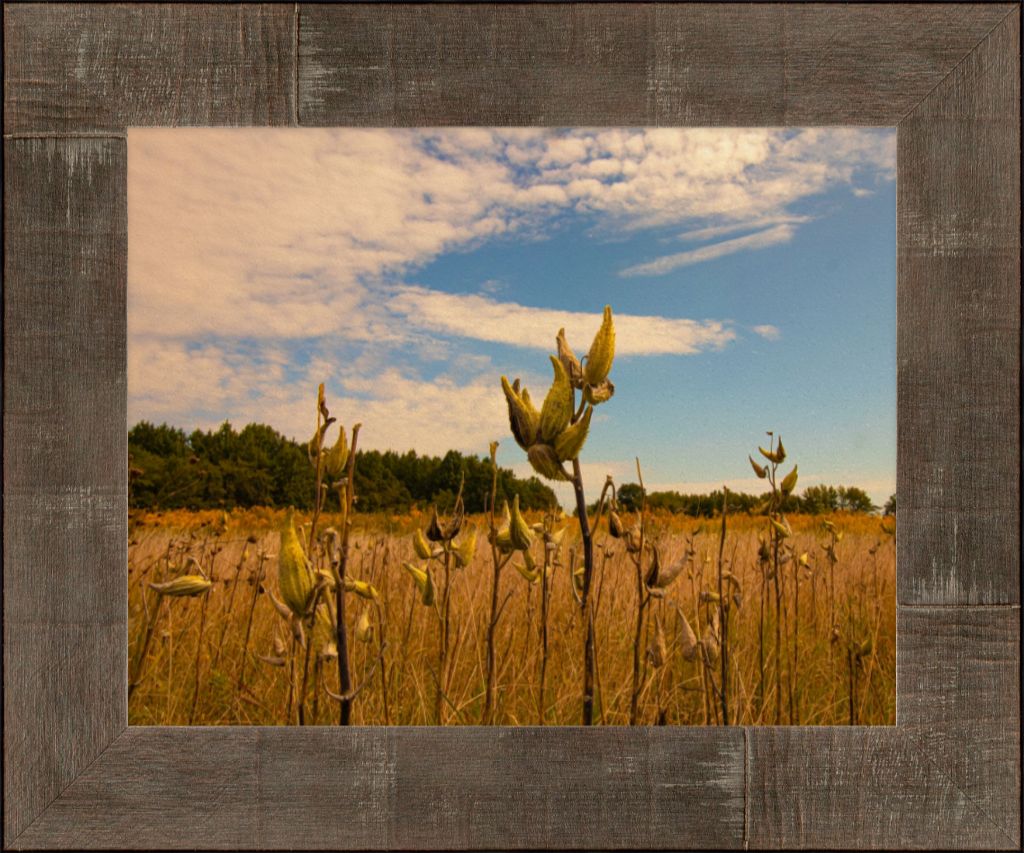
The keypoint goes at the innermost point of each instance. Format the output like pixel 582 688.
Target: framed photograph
pixel 221 633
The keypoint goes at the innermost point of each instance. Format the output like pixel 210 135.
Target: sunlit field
pixel 229 655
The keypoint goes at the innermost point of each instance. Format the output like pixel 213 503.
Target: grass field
pixel 228 657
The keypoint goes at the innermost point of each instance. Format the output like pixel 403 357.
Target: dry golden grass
pixel 195 669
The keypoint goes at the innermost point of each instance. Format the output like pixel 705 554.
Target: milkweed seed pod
pixel 569 361
pixel 325 579
pixel 553 539
pixel 464 551
pixel 657 652
pixel 424 583
pixel 323 627
pixel 503 540
pixel 772 455
pixel 709 597
pixel 439 531
pixel 687 639
pixel 615 527
pixel 294 573
pixel 364 627
pixel 789 482
pixel 556 412
pixel 183 586
pixel 661 577
pixel 336 458
pixel 273 660
pixel 420 545
pixel 601 393
pixel 760 470
pixel 632 538
pixel 710 642
pixel 570 441
pixel 520 533
pixel 602 351
pixel 577 580
pixel 780 451
pixel 528 568
pixel 329 651
pixel 362 589
pixel 545 462
pixel 804 560
pixel 523 419
pixel 783 530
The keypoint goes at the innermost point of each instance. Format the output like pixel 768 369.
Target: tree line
pixel 258 466
pixel 813 500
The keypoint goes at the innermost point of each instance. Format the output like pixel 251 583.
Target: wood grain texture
pixel 324 788
pixel 160 788
pixel 65 466
pixel 627 64
pixel 958 304
pixel 841 788
pixel 482 64
pixel 864 64
pixel 81 68
pixel 958 696
pixel 566 788
pixel 65 699
pixel 65 503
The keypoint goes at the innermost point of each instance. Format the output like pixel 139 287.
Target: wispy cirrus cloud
pixel 667 263
pixel 485 319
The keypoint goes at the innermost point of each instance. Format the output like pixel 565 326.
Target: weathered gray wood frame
pixel 947 775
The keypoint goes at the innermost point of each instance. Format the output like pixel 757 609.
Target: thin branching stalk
pixel 723 613
pixel 496 563
pixel 347 496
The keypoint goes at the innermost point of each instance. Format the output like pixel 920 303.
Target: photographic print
pixel 512 426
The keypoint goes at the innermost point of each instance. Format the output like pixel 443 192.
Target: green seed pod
pixel 556 412
pixel 183 586
pixel 569 361
pixel 780 451
pixel 789 483
pixel 424 583
pixel 570 441
pixel 503 540
pixel 465 550
pixel 602 351
pixel 545 462
pixel 364 628
pixel 596 394
pixel 760 470
pixel 520 533
pixel 362 589
pixel 782 530
pixel 528 568
pixel 420 545
pixel 294 573
pixel 520 418
pixel 337 457
pixel 615 526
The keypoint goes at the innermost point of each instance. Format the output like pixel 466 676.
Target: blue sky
pixel 752 274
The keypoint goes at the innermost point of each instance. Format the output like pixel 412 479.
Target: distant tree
pixel 853 499
pixel 817 500
pixel 890 506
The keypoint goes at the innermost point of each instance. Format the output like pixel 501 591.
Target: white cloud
pixel 767 331
pixel 759 240
pixel 713 231
pixel 254 254
pixel 481 318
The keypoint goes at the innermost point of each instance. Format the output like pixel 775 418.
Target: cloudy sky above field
pixel 752 274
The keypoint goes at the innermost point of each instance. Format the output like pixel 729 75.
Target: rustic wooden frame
pixel 947 775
